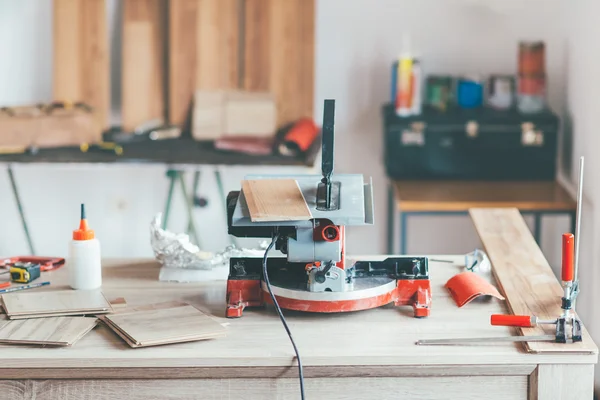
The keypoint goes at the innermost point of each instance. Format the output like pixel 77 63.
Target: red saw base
pixel 250 293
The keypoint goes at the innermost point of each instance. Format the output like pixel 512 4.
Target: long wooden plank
pixel 523 274
pixel 279 54
pixel 81 54
pixel 203 51
pixel 334 388
pixel 275 200
pixel 143 66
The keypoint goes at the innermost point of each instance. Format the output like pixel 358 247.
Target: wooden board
pixel 160 325
pixel 279 51
pixel 275 200
pixel 203 51
pixel 523 275
pixel 460 195
pixel 53 331
pixel 143 81
pixel 81 55
pixel 336 388
pixel 55 303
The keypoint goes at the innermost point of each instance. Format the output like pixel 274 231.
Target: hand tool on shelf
pixel 570 284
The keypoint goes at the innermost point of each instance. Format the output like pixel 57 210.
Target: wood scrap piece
pixel 203 51
pixel 55 303
pixel 159 326
pixel 275 200
pixel 81 55
pixel 523 274
pixel 279 51
pixel 54 331
pixel 143 78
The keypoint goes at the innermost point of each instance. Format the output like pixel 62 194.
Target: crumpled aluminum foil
pixel 174 250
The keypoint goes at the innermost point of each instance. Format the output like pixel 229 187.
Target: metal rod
pixel 15 191
pixel 578 222
pixel 459 341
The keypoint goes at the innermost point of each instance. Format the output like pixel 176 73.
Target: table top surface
pixel 462 195
pixel 377 338
pixel 183 151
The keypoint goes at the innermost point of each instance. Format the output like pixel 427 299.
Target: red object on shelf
pixel 46 263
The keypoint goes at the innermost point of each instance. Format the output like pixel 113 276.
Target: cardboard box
pixel 40 126
pixel 233 113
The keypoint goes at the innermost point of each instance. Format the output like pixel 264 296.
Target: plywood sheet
pixel 143 82
pixel 523 274
pixel 279 54
pixel 203 51
pixel 55 303
pixel 81 55
pixel 275 200
pixel 53 331
pixel 159 326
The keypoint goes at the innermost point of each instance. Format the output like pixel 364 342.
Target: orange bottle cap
pixel 84 232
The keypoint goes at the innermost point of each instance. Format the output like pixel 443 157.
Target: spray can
pixel 84 262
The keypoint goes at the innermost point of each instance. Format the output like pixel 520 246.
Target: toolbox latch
pixel 531 136
pixel 472 129
pixel 414 136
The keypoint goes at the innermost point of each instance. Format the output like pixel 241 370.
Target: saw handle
pixel 523 321
pixel 568 257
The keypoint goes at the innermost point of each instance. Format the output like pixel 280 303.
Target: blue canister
pixel 469 92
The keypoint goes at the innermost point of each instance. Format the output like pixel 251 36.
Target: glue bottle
pixel 84 263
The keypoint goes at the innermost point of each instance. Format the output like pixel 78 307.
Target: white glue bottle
pixel 84 263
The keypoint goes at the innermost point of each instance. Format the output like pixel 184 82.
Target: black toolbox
pixel 480 144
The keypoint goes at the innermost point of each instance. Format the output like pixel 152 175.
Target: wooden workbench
pixel 413 198
pixel 364 355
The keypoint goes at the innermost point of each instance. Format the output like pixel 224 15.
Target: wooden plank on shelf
pixel 203 51
pixel 143 83
pixel 81 69
pixel 55 303
pixel 52 331
pixel 164 325
pixel 275 200
pixel 523 274
pixel 279 54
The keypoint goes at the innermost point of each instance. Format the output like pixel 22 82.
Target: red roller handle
pixel 568 257
pixel 524 321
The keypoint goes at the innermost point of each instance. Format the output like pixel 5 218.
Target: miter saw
pixel 315 275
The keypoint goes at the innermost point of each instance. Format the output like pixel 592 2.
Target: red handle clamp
pixel 523 321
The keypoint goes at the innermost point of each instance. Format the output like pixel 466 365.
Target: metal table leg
pixel 537 219
pixel 172 175
pixel 195 184
pixel 223 197
pixel 403 229
pixel 190 210
pixel 573 217
pixel 391 217
pixel 15 191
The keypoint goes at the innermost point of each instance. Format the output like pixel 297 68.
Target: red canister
pixel 532 58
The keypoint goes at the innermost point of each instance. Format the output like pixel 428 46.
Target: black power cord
pixel 281 317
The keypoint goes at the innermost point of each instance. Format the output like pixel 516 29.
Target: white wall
pixel 356 41
pixel 583 105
